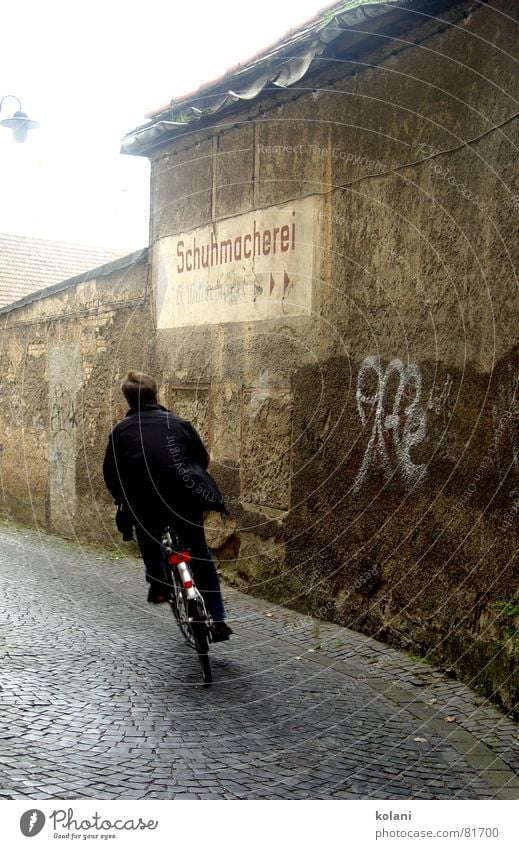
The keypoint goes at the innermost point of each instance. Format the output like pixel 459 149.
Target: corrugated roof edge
pixel 274 67
pixel 238 67
pixel 91 274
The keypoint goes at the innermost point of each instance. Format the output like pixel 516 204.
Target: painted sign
pixel 247 268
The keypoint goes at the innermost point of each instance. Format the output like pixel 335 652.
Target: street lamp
pixel 20 124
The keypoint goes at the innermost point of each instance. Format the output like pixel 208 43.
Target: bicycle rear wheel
pixel 180 611
pixel 199 631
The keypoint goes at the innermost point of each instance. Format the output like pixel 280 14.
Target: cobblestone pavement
pixel 101 699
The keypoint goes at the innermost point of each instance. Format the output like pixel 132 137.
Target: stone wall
pixel 363 421
pixel 62 359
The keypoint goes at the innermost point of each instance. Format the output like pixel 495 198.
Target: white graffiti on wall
pixel 404 423
pixel 440 402
pixel 261 392
pixel 505 417
pixel 65 382
pixel 63 415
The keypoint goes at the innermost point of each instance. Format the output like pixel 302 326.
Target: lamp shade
pixel 20 124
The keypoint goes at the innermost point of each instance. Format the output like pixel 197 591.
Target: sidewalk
pixel 101 699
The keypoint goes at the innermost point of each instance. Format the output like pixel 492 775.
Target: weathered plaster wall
pixel 62 358
pixel 370 449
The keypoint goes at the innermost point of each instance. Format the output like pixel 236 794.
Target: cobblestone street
pixel 101 699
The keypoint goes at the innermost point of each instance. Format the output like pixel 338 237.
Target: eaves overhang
pixel 282 65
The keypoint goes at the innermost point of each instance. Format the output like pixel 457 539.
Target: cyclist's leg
pixel 154 560
pixel 191 531
pixel 207 581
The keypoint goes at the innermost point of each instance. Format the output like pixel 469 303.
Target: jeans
pixel 192 536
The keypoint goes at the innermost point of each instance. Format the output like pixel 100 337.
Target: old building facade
pixel 330 296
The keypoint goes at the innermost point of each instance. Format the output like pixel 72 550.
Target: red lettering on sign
pixel 261 242
pixel 180 253
pixel 257 240
pixel 226 251
pixel 214 251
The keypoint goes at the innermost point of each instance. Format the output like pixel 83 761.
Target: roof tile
pixel 28 264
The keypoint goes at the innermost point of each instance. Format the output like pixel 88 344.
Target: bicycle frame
pixel 187 602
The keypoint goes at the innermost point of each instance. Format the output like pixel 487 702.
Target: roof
pixel 28 264
pixel 127 261
pixel 279 66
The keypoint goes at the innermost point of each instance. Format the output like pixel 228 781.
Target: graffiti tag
pixel 402 423
pixel 505 417
pixel 63 416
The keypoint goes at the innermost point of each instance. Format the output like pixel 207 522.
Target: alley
pixel 101 699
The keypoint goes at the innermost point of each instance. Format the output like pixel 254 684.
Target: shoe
pixel 156 598
pixel 221 631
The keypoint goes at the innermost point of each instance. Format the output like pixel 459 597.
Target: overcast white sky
pixel 89 73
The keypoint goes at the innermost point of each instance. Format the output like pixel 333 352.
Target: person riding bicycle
pixel 155 468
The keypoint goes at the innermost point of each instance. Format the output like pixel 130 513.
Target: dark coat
pixel 156 464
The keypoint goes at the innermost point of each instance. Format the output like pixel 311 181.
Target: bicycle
pixel 186 601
